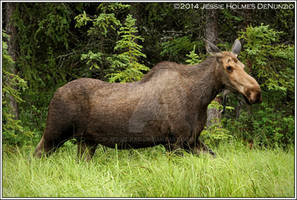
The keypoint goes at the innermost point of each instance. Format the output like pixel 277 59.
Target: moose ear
pixel 211 48
pixel 236 47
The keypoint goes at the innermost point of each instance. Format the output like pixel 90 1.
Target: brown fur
pixel 168 106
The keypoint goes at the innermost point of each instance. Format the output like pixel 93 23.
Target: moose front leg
pixel 194 145
pixel 85 150
pixel 176 147
pixel 200 146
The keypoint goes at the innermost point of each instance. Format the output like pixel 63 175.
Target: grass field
pixel 236 172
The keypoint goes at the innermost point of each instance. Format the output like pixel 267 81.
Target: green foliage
pixel 101 33
pixel 13 131
pixel 45 56
pixel 272 63
pixel 92 59
pixel 193 57
pixel 176 48
pixel 7 61
pixel 265 127
pixel 284 18
pixel 42 43
pixel 176 45
pixel 54 26
pixel 104 22
pixel 125 66
pixel 82 20
pixel 216 133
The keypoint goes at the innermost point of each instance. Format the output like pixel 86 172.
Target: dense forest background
pixel 45 45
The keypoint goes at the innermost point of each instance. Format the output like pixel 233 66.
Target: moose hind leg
pixel 52 139
pixel 40 148
pixel 85 150
pixel 44 147
pixel 47 146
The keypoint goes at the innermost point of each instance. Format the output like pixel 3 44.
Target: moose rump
pixel 167 106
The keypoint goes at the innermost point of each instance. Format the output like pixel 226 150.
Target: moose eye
pixel 229 68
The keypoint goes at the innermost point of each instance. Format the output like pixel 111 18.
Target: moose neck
pixel 207 83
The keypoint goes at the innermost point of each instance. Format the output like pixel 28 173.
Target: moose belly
pixel 127 129
pixel 132 142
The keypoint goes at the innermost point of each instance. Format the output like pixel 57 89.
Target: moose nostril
pixel 248 93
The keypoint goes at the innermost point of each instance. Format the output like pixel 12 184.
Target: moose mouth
pixel 244 96
pixel 246 100
pixel 241 96
pixel 257 99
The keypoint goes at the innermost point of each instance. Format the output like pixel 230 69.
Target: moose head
pixel 230 71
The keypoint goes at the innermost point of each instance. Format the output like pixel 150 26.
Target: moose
pixel 168 106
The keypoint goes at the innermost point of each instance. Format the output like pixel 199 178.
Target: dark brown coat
pixel 168 106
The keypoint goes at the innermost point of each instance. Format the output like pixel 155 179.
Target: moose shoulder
pixel 168 106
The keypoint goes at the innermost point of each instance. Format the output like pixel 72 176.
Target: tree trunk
pixel 213 114
pixel 211 34
pixel 211 26
pixel 12 46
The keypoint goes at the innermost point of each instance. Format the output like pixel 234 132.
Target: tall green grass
pixel 236 172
